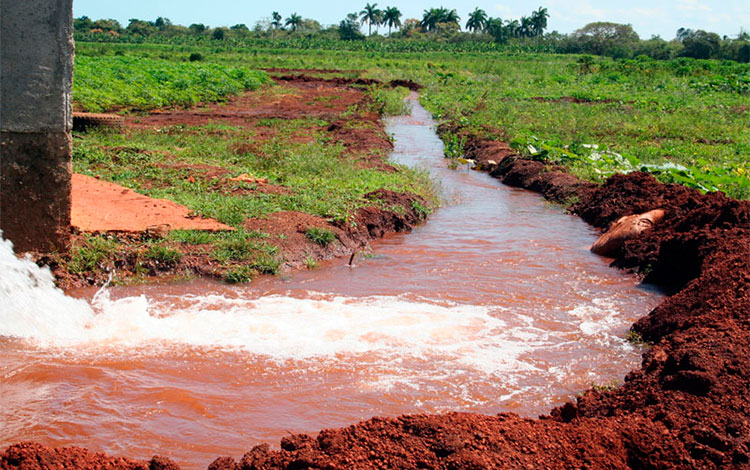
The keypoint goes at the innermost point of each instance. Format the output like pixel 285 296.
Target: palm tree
pixel 527 27
pixel 276 23
pixel 539 21
pixel 450 16
pixel 294 21
pixel 477 20
pixel 513 27
pixel 370 15
pixel 434 16
pixel 392 18
pixel 430 19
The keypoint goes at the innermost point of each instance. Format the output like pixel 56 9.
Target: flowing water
pixel 494 305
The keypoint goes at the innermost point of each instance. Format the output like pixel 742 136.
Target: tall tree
pixel 435 16
pixel 370 15
pixel 392 18
pixel 513 28
pixel 276 20
pixel 539 21
pixel 527 28
pixel 293 21
pixel 477 20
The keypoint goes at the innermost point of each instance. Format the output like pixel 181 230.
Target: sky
pixel 648 17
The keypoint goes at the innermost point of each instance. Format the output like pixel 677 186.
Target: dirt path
pixel 100 206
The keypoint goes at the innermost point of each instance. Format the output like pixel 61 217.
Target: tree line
pixel 441 24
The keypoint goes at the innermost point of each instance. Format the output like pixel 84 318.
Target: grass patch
pixel 163 254
pixel 136 83
pixel 92 255
pixel 238 275
pixel 321 236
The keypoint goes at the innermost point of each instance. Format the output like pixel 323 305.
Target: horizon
pixel 648 18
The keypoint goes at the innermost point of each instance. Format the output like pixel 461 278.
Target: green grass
pixel 691 113
pixel 321 236
pixel 91 255
pixel 320 179
pixel 107 83
pixel 163 254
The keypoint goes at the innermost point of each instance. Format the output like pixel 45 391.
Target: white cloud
pixel 692 5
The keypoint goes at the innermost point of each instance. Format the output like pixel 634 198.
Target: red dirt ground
pixel 100 206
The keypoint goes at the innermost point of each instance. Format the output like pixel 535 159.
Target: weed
pixel 321 236
pixel 266 263
pixel 163 254
pixel 310 262
pixel 91 255
pixel 238 275
pixel 420 209
pixel 606 387
pixel 634 337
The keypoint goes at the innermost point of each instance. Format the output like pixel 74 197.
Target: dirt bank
pixel 687 406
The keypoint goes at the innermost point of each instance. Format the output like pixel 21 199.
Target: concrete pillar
pixel 36 75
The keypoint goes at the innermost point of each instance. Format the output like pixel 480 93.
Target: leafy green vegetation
pixel 91 255
pixel 321 236
pixel 107 83
pixel 163 254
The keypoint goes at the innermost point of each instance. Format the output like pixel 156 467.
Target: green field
pixel 684 120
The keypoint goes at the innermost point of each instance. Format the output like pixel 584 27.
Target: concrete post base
pixel 35 173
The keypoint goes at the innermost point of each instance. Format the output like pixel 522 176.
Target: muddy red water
pixel 494 305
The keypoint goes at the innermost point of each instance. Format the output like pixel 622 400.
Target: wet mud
pixel 686 407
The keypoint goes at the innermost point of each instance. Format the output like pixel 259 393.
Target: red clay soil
pixel 370 222
pixel 686 407
pixel 310 97
pixel 100 206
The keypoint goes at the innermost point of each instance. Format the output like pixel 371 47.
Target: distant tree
pixel 497 29
pixel 109 25
pixel 309 25
pixel 604 38
pixel 349 28
pixel 240 27
pixel 392 18
pixel 436 16
pixel 197 28
pixel 526 28
pixel 276 20
pixel 83 24
pixel 513 28
pixel 140 27
pixel 371 15
pixel 293 21
pixel 162 23
pixel 699 44
pixel 219 34
pixel 477 21
pixel 539 21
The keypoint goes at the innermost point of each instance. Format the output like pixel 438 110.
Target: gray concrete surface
pixel 36 74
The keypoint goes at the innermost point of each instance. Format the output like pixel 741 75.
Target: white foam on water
pixel 393 330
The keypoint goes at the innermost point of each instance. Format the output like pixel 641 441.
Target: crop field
pixel 684 120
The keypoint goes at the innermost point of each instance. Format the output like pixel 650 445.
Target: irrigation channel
pixel 495 304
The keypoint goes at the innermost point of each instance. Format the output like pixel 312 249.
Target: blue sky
pixel 725 17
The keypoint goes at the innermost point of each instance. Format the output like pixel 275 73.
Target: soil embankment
pixel 686 407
